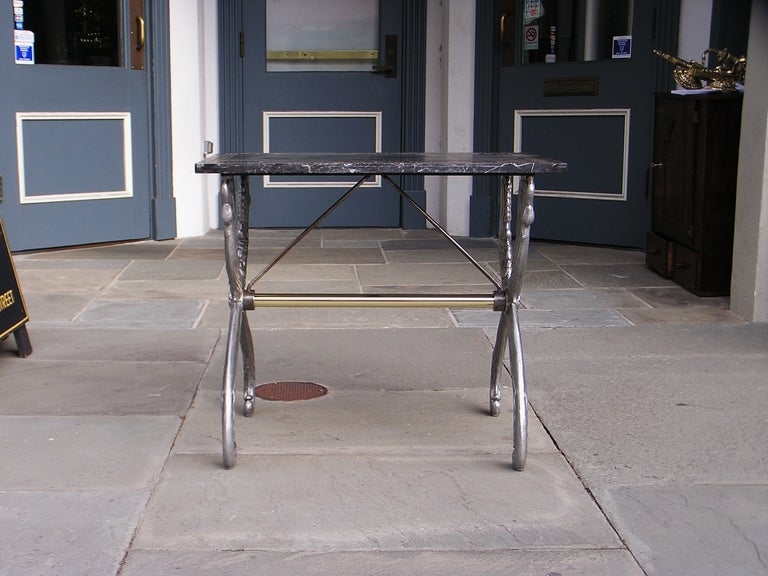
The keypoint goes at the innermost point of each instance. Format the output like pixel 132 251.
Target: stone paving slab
pixel 305 255
pixel 145 250
pixel 434 256
pixel 544 278
pixel 402 359
pixel 542 318
pixel 51 280
pixel 370 503
pixel 99 344
pixel 326 234
pixel 693 530
pixel 582 299
pixel 173 270
pixel 440 244
pixel 54 388
pixel 215 289
pixel 423 563
pixel 54 307
pixel 290 273
pixel 694 419
pixel 742 340
pixel 151 313
pixel 417 274
pixel 61 533
pixel 38 261
pixel 616 275
pixel 216 315
pixel 690 315
pixel 677 297
pixel 580 254
pixel 84 452
pixel 424 422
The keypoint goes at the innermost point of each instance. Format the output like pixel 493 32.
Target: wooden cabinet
pixel 693 183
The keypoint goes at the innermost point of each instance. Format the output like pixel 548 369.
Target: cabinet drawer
pixel 657 254
pixel 684 267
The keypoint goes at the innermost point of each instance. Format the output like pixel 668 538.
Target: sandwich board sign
pixel 13 313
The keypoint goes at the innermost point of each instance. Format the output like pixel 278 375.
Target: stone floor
pixel 648 418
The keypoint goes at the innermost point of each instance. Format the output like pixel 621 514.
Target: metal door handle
pixel 503 29
pixel 389 68
pixel 140 33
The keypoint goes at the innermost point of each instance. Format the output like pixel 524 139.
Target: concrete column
pixel 459 90
pixel 450 105
pixel 749 280
pixel 194 106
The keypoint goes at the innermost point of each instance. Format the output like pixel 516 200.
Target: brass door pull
pixel 140 33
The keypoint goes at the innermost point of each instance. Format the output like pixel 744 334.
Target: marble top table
pixel 235 169
pixel 426 163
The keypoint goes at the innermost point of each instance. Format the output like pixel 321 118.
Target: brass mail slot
pixel 586 86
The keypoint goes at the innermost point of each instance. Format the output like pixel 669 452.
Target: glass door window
pixel 328 36
pixel 75 32
pixel 565 30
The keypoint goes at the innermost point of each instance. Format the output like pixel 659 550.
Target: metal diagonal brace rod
pixel 307 230
pixel 445 234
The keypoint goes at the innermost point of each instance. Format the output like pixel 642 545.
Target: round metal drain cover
pixel 289 391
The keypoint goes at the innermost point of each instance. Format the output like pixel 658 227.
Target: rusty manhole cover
pixel 289 391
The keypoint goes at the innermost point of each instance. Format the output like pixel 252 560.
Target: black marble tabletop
pixel 449 163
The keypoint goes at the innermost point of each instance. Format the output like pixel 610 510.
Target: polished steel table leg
pixel 513 259
pixel 235 203
pixel 505 271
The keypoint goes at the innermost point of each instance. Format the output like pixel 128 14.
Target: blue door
pixel 321 77
pixel 577 84
pixel 74 141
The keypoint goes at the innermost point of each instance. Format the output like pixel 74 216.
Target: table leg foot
pixel 229 449
pixel 23 344
pixel 497 364
pixel 246 343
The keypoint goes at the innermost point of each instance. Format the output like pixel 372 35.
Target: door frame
pixel 162 207
pixel 413 112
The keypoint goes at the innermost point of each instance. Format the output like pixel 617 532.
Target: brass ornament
pixel 690 74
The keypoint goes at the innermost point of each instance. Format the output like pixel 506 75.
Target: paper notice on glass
pixel 24 46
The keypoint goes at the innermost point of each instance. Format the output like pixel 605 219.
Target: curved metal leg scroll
pixel 228 446
pixel 520 407
pixel 505 271
pixel 497 365
pixel 513 258
pixel 235 202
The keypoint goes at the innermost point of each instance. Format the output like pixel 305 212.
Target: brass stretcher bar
pixel 496 301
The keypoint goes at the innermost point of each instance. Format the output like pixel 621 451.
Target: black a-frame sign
pixel 13 313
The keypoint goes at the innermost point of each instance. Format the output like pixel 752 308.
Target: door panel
pixel 74 140
pixel 562 95
pixel 298 101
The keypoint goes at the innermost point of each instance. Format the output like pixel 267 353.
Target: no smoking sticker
pixel 531 35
